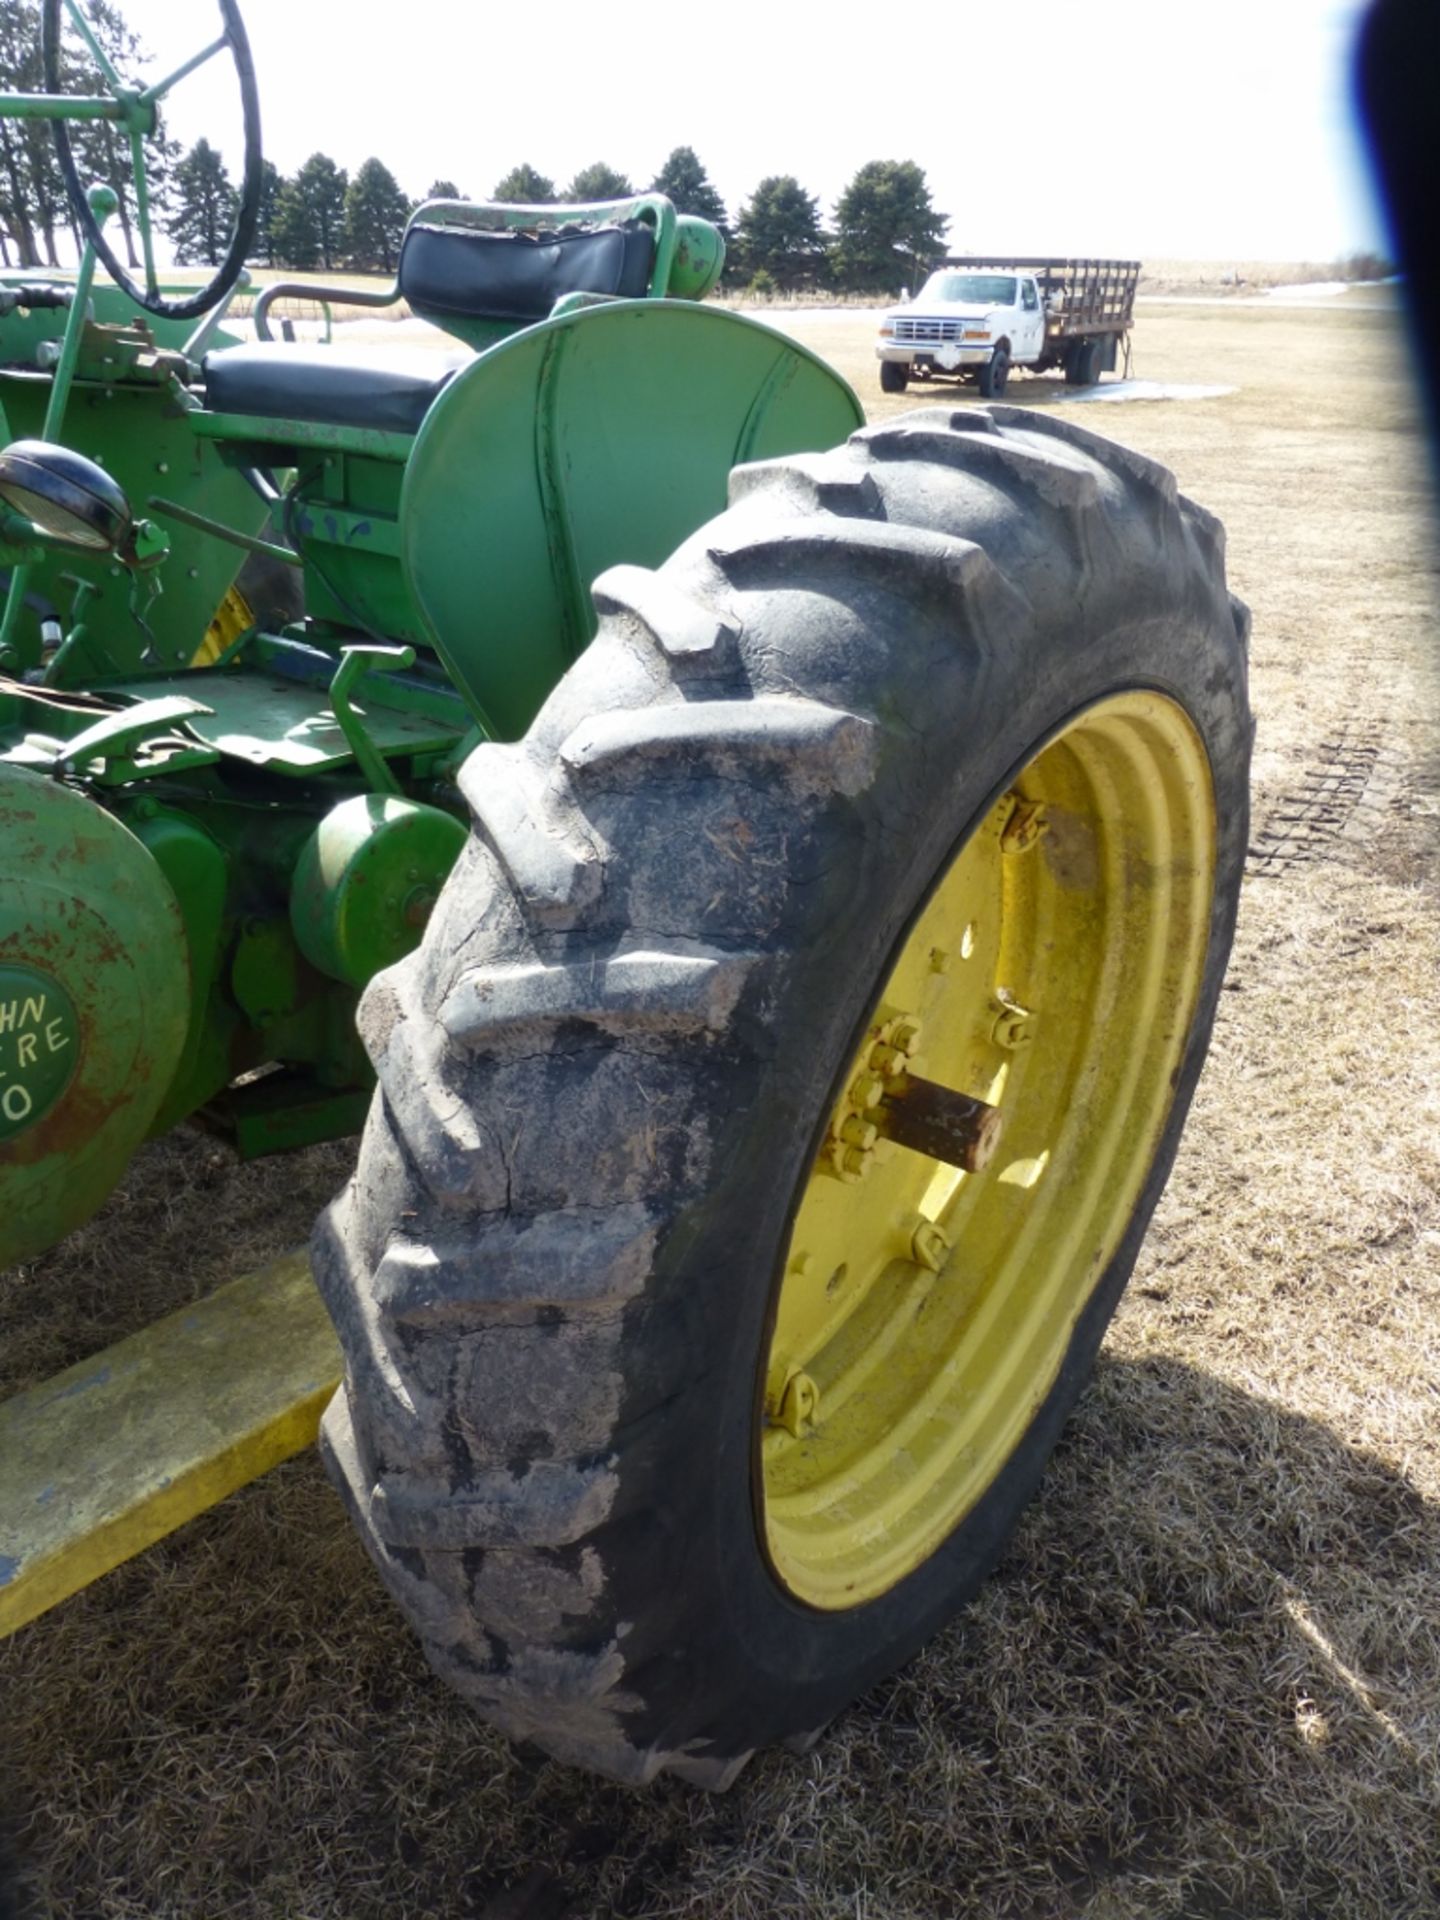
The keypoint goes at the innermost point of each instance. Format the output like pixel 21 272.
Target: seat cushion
pixel 391 388
pixel 474 273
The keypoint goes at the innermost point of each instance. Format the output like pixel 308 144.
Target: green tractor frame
pixel 766 879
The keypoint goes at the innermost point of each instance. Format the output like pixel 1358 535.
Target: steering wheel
pixel 135 117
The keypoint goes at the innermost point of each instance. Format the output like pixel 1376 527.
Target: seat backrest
pixel 476 273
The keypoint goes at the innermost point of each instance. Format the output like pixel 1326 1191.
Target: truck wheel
pixel 1083 368
pixel 995 375
pixel 682 1400
pixel 892 376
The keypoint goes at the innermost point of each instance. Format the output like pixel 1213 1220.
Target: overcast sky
pixel 1220 130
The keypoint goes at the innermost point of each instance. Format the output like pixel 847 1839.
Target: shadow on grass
pixel 1205 1680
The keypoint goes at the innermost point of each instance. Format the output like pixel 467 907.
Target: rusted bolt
pixel 1023 826
pixel 419 905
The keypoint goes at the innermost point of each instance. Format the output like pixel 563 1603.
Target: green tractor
pixel 767 880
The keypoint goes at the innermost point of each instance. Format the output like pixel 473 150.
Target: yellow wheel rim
pixel 233 617
pixel 924 1311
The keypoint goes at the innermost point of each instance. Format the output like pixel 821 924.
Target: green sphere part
pixel 699 258
pixel 102 200
pixel 366 881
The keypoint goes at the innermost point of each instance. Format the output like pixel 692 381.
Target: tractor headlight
pixel 64 495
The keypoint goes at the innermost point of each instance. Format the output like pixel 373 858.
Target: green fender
pixel 604 436
pixel 94 1005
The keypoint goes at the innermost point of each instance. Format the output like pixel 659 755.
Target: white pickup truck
pixel 976 318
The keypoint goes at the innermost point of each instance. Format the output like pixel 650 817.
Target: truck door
pixel 1030 324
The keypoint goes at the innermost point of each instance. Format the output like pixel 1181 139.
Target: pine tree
pixel 270 186
pixel 524 187
pixel 309 223
pixel 292 231
pixel 685 181
pixel 376 212
pixel 202 207
pixel 27 167
pixel 444 190
pixel 102 151
pixel 599 182
pixel 779 235
pixel 887 231
pixel 33 203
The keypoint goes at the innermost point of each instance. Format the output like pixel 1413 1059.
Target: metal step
pixel 113 1454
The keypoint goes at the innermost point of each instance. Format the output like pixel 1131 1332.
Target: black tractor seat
pixel 446 273
pixel 392 388
pixel 449 272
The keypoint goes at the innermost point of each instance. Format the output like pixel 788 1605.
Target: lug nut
pixel 799 1404
pixel 929 1247
pixel 887 1060
pixel 868 1091
pixel 1014 1024
pixel 906 1036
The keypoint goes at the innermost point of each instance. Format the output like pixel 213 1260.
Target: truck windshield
pixel 971 289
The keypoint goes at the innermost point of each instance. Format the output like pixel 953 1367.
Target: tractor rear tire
pixel 893 376
pixel 613 1083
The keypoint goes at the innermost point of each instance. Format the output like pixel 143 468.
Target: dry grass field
pixel 1204 1683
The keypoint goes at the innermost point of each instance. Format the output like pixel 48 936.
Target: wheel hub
pixel 956 1223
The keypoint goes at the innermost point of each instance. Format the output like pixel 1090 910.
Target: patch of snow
pixel 1146 390
pixel 1310 290
pixel 1293 299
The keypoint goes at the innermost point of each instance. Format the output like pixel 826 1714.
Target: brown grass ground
pixel 1205 1680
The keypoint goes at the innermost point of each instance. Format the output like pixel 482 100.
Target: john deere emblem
pixel 39 1046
